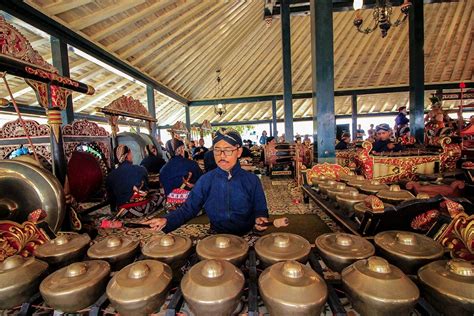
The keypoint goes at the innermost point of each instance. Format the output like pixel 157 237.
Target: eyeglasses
pixel 227 152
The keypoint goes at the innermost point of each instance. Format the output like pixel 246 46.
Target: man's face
pixel 201 142
pixel 383 135
pixel 130 156
pixel 226 155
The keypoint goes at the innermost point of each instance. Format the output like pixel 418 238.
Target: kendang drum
pixel 85 175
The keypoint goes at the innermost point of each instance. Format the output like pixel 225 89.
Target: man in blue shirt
pixel 232 197
pixel 178 168
pixel 383 142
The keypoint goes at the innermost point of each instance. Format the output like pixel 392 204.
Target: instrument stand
pixel 333 300
pixel 98 305
pixel 253 287
pixel 26 308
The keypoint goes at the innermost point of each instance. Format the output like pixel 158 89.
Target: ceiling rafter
pixel 142 14
pixel 117 7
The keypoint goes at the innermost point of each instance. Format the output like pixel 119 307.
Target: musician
pixel 405 137
pixel 178 168
pixel 401 120
pixel 126 179
pixel 232 197
pixel 383 142
pixel 198 152
pixel 371 132
pixel 152 162
pixel 263 138
pixel 344 142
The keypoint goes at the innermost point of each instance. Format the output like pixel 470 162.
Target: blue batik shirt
pixel 177 168
pixel 232 201
pixel 120 182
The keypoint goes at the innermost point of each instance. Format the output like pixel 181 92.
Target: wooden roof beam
pixel 113 28
pixel 117 7
pixel 56 8
pixel 99 96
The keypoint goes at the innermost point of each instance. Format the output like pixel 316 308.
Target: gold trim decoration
pixel 21 239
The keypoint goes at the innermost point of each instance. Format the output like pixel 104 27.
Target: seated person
pixel 405 137
pixel 344 142
pixel 209 161
pixel 128 184
pixel 232 197
pixel 152 162
pixel 383 142
pixel 177 169
pixel 198 152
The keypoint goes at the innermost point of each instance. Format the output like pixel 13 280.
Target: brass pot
pixel 76 286
pixel 213 287
pixel 223 246
pixel 291 288
pixel 373 187
pixel 395 195
pixel 358 182
pixel 63 250
pixel 408 251
pixel 19 280
pixel 339 250
pixel 323 187
pixel 140 288
pixel 25 187
pixel 118 251
pixel 339 188
pixel 347 200
pixel 276 247
pixel 449 286
pixel 320 179
pixel 170 249
pixel 361 208
pixel 347 177
pixel 376 287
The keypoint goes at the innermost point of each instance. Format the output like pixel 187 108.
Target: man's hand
pixel 156 223
pixel 258 223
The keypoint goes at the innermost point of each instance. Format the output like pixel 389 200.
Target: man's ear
pixel 239 152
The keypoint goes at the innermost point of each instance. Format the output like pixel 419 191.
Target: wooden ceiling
pixel 182 43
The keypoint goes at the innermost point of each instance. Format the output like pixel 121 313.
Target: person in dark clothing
pixel 152 162
pixel 383 142
pixel 343 143
pixel 232 197
pixel 401 120
pixel 126 179
pixel 198 152
pixel 209 161
pixel 177 169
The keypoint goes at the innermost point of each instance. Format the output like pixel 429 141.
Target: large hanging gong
pixel 136 142
pixel 25 187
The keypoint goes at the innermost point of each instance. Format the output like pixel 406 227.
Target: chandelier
pixel 220 108
pixel 381 15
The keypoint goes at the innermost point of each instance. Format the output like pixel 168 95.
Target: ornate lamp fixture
pixel 381 14
pixel 220 108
